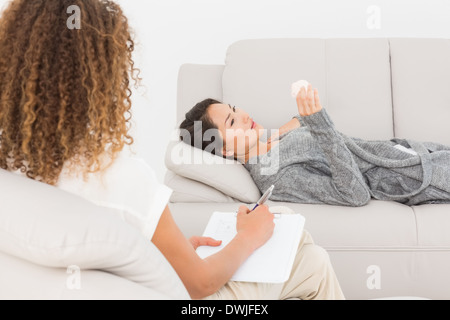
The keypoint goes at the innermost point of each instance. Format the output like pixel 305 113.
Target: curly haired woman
pixel 64 100
pixel 63 93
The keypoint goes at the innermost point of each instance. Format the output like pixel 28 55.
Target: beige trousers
pixel 312 277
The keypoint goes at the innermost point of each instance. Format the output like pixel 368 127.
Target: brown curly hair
pixel 64 93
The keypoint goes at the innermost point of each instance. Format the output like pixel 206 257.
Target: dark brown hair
pixel 194 135
pixel 64 93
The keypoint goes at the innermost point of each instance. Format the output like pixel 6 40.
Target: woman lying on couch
pixel 316 164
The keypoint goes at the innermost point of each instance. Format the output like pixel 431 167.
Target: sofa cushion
pixel 433 225
pixel 197 82
pixel 229 177
pixel 352 75
pixel 47 226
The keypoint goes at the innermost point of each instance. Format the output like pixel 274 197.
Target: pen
pixel 264 197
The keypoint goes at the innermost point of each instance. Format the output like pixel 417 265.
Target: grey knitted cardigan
pixel 316 164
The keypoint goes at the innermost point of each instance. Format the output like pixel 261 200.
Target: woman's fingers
pixel 243 210
pixel 317 100
pixel 308 101
pixel 204 241
pixel 301 102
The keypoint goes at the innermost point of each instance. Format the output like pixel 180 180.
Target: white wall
pixel 172 32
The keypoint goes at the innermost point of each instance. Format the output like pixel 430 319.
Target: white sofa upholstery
pixel 373 89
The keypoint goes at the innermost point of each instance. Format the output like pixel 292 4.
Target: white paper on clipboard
pixel 271 263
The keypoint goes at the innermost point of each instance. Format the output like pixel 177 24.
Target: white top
pixel 129 185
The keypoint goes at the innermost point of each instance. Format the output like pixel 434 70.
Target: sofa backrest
pixel 352 75
pixel 373 88
pixel 421 87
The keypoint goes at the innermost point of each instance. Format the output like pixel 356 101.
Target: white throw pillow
pixel 227 176
pixel 50 227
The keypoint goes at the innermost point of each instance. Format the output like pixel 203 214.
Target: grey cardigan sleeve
pixel 347 181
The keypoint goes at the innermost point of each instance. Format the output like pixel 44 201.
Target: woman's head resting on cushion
pixel 64 92
pixel 221 129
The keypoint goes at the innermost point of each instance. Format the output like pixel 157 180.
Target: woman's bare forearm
pixel 203 277
pixel 220 267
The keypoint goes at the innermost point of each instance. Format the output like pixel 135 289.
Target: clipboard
pixel 272 262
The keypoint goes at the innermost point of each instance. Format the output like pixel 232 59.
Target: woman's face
pixel 239 132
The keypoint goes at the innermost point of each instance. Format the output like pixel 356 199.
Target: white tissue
pixel 297 86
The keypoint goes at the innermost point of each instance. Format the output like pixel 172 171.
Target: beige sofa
pixel 373 89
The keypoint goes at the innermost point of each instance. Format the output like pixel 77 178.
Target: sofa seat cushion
pixel 380 225
pixel 433 226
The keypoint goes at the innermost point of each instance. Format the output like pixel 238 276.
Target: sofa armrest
pixel 21 279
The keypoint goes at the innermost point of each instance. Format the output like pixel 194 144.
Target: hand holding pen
pixel 258 226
